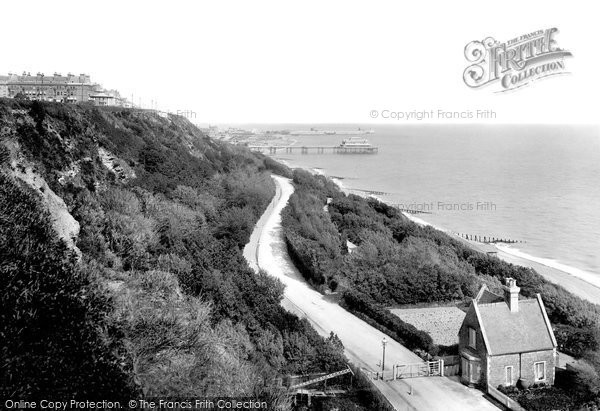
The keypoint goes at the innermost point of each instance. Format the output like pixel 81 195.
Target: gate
pixel 421 369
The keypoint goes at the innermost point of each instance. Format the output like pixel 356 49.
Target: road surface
pixel 362 342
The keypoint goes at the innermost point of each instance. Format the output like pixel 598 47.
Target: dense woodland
pixel 159 301
pixel 398 262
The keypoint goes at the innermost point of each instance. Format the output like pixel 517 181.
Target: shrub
pixel 52 313
pixel 276 167
pixel 4 154
pixel 576 341
pixel 368 395
pixel 583 380
pixel 544 399
pixel 406 334
pixel 508 390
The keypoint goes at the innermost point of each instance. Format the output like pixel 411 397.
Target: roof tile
pixel 513 332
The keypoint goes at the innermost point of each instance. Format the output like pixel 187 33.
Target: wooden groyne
pixel 372 192
pixel 410 210
pixel 413 211
pixel 315 149
pixel 488 239
pixel 471 237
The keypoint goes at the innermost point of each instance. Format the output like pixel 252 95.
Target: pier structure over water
pixel 314 149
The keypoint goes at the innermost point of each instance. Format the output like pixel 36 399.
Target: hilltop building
pixel 3 86
pixel 504 340
pixel 64 89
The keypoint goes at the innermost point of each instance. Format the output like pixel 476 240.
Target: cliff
pixel 136 221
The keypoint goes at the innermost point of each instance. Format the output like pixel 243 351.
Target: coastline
pixel 572 283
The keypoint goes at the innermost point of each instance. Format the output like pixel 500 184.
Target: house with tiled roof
pixel 506 339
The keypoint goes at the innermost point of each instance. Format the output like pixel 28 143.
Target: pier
pixel 314 149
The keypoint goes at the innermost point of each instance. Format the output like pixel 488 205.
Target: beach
pixel 571 283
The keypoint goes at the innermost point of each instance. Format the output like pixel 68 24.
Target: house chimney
pixel 511 294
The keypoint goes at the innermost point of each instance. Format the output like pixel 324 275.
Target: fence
pixel 422 369
pixel 505 400
pixel 451 365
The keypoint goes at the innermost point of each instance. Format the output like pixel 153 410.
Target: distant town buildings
pixel 3 86
pixel 232 134
pixel 58 88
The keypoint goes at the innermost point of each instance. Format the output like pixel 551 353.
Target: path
pixel 362 342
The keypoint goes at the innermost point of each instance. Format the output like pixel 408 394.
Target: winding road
pixel 267 250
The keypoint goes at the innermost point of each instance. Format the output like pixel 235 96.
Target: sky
pixel 304 61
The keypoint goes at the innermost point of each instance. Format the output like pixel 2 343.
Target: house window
pixel 472 338
pixel 508 375
pixel 540 370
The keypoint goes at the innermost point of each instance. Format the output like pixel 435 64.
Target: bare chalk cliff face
pixel 66 227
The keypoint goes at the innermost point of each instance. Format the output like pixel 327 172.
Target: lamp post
pixel 383 344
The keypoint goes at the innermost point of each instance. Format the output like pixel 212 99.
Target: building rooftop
pixel 506 331
pixel 485 296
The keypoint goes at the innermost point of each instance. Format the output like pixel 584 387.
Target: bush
pixel 544 399
pixel 301 252
pixel 582 380
pixel 368 395
pixel 53 317
pixel 277 168
pixel 406 334
pixel 312 240
pixel 576 341
pixel 508 390
pixel 4 155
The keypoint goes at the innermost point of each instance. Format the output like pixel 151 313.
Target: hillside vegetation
pixel 153 297
pixel 398 262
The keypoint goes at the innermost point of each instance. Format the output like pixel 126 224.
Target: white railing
pixel 421 369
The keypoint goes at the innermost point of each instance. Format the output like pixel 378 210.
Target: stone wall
pixel 523 367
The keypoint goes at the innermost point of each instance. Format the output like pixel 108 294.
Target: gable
pixel 471 320
pixel 487 297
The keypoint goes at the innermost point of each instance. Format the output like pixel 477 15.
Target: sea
pixel 538 185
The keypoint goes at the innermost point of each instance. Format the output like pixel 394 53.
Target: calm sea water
pixel 536 184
